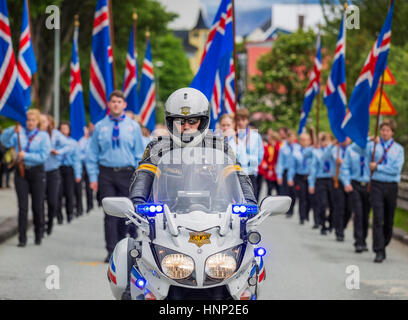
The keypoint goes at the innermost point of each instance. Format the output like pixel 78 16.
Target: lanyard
pixel 326 165
pixel 303 157
pixel 30 139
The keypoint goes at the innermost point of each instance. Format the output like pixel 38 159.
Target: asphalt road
pixel 301 264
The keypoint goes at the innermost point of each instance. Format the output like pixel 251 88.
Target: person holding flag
pixel 386 174
pixel 101 78
pixel 33 148
pixel 313 87
pixel 147 90
pixel 26 64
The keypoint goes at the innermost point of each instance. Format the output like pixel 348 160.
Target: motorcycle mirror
pixel 116 206
pixel 275 205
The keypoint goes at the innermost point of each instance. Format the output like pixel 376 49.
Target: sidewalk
pixel 8 213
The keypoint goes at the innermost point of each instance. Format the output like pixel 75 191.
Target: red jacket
pixel 268 164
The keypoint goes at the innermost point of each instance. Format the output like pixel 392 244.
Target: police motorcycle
pixel 198 238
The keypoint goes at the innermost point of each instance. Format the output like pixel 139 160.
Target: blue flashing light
pixel 245 210
pixel 150 209
pixel 259 252
pixel 141 283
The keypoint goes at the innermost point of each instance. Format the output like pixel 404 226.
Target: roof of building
pixel 183 35
pixel 200 22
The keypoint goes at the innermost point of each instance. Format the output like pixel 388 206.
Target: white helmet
pixel 186 103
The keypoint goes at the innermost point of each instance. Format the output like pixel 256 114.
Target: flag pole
pixel 235 55
pixel 336 178
pixel 134 31
pixel 112 42
pixel 377 124
pixel 35 78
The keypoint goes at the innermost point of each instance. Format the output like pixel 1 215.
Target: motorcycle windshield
pixel 191 179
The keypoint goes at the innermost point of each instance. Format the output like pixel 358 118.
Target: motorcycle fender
pixel 240 282
pixel 118 269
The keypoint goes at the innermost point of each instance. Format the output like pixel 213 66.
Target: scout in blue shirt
pixel 286 188
pixel 116 148
pixel 355 175
pixel 35 148
pixel 321 182
pixel 299 168
pixel 341 212
pixel 84 144
pixel 71 172
pixel 386 173
pixel 59 147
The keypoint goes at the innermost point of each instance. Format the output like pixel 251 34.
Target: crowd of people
pixel 336 181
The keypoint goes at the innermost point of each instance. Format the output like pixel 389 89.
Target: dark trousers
pixel 360 205
pixel 271 185
pixel 114 183
pixel 286 190
pixel 341 209
pixel 383 198
pixel 302 193
pixel 53 184
pixel 255 186
pixel 33 183
pixel 88 190
pixel 67 191
pixel 323 196
pixel 78 197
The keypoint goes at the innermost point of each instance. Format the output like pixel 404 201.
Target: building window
pixel 301 21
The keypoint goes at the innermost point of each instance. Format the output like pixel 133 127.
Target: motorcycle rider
pixel 187 115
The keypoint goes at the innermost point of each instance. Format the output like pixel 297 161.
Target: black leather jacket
pixel 143 177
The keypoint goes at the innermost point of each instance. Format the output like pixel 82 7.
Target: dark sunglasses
pixel 183 121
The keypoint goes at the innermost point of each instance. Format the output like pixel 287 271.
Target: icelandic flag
pixel 335 96
pixel 147 92
pixel 356 122
pixel 101 79
pixel 217 52
pixel 26 64
pixel 313 88
pixel 130 82
pixel 76 98
pixel 11 93
pixel 229 90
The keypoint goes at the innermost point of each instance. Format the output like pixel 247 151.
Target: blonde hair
pixel 36 114
pixel 227 116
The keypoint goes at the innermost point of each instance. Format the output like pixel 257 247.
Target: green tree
pixel 280 87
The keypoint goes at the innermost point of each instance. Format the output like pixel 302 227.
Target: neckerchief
pixel 386 149
pixel 326 164
pixel 304 162
pixel 115 131
pixel 30 138
pixel 362 164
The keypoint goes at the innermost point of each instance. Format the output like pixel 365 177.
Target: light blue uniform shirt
pixel 83 144
pixel 40 146
pixel 72 159
pixel 60 143
pixel 249 150
pixel 101 152
pixel 320 167
pixel 146 141
pixel 389 170
pixel 355 166
pixel 284 158
pixel 330 154
pixel 301 161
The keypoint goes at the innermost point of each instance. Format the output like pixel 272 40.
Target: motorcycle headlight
pixel 177 266
pixel 222 265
